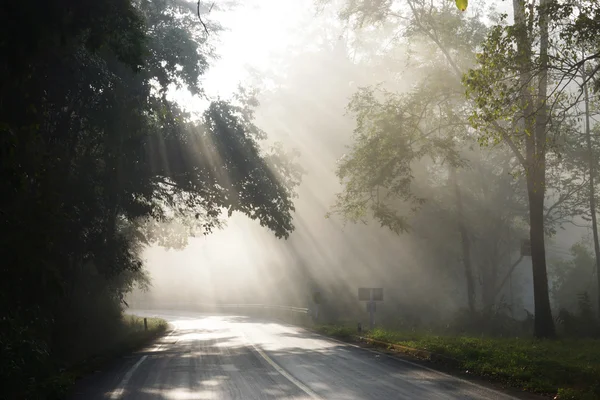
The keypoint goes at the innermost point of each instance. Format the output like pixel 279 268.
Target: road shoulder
pixel 100 377
pixel 429 364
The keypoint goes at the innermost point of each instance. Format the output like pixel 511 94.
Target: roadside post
pixel 525 252
pixel 317 300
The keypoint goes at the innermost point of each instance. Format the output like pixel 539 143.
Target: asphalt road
pixel 229 357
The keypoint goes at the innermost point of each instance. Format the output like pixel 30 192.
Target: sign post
pixel 317 300
pixel 526 248
pixel 371 296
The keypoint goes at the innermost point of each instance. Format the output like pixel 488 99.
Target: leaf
pixel 462 4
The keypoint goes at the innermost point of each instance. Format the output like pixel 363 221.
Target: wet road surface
pixel 230 357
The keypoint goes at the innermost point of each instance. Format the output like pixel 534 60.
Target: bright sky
pixel 255 32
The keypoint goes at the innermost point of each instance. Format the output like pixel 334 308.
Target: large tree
pixel 92 149
pixel 523 91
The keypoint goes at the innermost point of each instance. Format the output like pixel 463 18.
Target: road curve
pixel 229 357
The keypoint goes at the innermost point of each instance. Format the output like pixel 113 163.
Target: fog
pixel 306 65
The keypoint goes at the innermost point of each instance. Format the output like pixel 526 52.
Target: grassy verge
pixel 130 336
pixel 568 367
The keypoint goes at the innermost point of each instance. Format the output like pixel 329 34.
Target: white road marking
pixel 281 371
pixel 118 392
pixel 304 388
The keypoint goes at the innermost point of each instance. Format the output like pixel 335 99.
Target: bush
pixel 574 394
pixel 570 366
pixel 582 324
pixel 24 355
pixel 338 331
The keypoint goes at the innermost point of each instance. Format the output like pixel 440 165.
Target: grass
pixel 338 331
pixel 135 325
pixel 567 367
pixel 130 336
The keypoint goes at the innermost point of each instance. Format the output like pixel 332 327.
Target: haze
pixel 233 199
pixel 305 70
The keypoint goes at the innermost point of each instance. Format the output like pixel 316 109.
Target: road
pixel 229 357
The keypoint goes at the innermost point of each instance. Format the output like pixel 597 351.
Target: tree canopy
pixel 96 162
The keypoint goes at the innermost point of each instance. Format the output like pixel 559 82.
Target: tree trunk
pixel 465 244
pixel 535 123
pixel 543 324
pixel 592 168
pixel 488 295
pixel 507 277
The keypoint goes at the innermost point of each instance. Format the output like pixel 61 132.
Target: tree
pixel 429 122
pixel 592 174
pixel 390 138
pixel 508 56
pixel 512 89
pixel 577 62
pixel 521 91
pixel 92 150
pixel 572 277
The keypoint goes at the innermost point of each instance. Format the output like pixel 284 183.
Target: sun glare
pixel 255 33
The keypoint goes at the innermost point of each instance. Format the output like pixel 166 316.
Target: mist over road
pixel 235 357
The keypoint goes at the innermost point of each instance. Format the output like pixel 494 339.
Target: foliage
pixel 492 322
pixel 128 336
pixel 523 80
pixel 564 366
pixel 519 101
pixel 338 331
pixel 391 136
pixel 583 324
pixel 539 366
pixel 572 286
pixel 527 88
pixel 95 157
pixel 412 166
pixel 572 277
pixel 462 4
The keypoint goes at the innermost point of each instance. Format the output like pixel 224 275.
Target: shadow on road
pixel 214 357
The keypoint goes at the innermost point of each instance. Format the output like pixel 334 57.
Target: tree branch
pixel 200 18
pixel 511 144
pixel 510 271
pixel 565 197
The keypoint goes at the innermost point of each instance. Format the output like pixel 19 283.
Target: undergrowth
pixel 130 336
pixel 567 367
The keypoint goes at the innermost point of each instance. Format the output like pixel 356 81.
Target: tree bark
pixel 498 289
pixel 489 283
pixel 543 322
pixel 535 123
pixel 592 172
pixel 465 244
